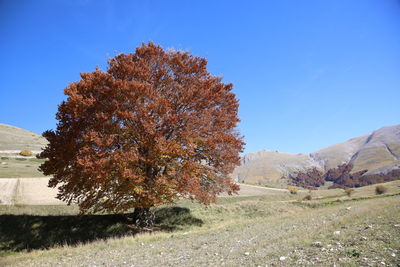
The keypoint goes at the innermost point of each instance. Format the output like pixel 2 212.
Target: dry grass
pixel 251 231
pixel 13 138
pixel 349 191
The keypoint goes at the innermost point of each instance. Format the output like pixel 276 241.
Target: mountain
pixel 272 167
pixel 377 152
pixel 13 138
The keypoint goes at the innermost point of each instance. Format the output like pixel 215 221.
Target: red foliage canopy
pixel 342 177
pixel 310 179
pixel 156 126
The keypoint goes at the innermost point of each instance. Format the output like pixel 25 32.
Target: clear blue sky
pixel 308 74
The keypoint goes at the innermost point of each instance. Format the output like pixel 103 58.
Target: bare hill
pixel 272 167
pixel 13 138
pixel 378 152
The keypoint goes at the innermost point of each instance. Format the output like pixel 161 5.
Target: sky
pixel 308 74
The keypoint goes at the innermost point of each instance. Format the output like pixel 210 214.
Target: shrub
pixel 293 190
pixel 349 191
pixel 26 153
pixel 307 197
pixel 353 253
pixel 380 189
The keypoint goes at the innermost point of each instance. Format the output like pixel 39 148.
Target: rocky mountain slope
pixel 377 152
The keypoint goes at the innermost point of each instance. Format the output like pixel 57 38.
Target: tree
pixel 310 179
pixel 155 127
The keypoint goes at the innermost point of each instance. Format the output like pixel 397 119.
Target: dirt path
pixel 34 191
pixel 263 188
pixel 27 191
pixel 7 190
pixel 254 190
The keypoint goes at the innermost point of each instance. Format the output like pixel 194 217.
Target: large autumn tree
pixel 153 128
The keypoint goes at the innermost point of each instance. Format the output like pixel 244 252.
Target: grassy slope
pixel 13 138
pixel 246 231
pixel 19 167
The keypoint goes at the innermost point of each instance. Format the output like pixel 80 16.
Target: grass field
pixel 274 229
pixel 19 167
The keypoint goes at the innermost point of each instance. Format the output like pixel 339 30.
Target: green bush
pixel 380 189
pixel 26 153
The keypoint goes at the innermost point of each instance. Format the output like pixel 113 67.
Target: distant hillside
pixel 13 138
pixel 272 167
pixel 378 152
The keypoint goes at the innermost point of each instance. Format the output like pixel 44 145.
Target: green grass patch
pixel 331 202
pixel 21 167
pixel 37 160
pixel 353 253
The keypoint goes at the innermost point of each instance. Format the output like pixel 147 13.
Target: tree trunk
pixel 143 217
